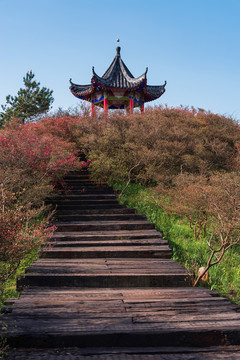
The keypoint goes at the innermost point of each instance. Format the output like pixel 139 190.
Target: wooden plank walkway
pixel 108 289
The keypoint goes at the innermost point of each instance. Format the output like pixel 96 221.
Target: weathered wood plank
pixel 99 235
pixel 141 353
pixel 109 297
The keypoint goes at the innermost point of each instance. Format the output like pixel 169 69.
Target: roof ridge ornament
pixel 118 51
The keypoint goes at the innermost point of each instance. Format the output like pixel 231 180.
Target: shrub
pixel 212 208
pixel 31 161
pixel 166 142
pixel 19 235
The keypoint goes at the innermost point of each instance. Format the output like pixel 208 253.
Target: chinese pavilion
pixel 117 88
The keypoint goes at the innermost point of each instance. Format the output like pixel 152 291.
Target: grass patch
pixel 9 290
pixel 10 287
pixel 192 254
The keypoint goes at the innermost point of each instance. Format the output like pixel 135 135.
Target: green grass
pixel 10 287
pixel 192 254
pixel 10 291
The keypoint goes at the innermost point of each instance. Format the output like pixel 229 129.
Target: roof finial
pixel 118 40
pixel 118 50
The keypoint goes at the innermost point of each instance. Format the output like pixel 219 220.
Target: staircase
pixel 107 288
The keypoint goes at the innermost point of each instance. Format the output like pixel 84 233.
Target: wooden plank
pixel 141 353
pixel 117 299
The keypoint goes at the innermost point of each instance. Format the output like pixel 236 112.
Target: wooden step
pixel 129 353
pixel 107 281
pixel 106 235
pixel 80 180
pixel 99 217
pixel 106 272
pixel 112 318
pixel 77 175
pixel 91 189
pixel 103 225
pixel 67 185
pixel 82 201
pixel 93 210
pixel 109 242
pixel 71 208
pixel 83 196
pixel 103 281
pixel 127 251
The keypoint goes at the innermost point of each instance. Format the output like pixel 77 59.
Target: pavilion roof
pixel 153 92
pixel 117 76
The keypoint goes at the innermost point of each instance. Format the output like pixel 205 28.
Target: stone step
pixel 103 225
pixel 106 235
pixel 105 273
pixel 127 251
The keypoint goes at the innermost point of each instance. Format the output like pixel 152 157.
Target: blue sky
pixel 193 44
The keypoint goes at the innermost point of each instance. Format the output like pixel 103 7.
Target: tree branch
pixel 129 179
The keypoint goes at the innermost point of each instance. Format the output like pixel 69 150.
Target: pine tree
pixel 30 101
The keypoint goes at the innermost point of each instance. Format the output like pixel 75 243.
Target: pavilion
pixel 117 88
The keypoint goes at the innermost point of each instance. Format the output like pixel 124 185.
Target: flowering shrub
pixel 23 147
pixel 19 236
pixel 82 131
pixel 31 161
pixel 59 127
pixel 86 164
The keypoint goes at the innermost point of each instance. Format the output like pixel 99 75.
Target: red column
pixel 142 108
pixel 105 106
pixel 92 109
pixel 131 106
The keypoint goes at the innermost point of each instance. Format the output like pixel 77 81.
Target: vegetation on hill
pixel 181 168
pixel 187 251
pixel 190 160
